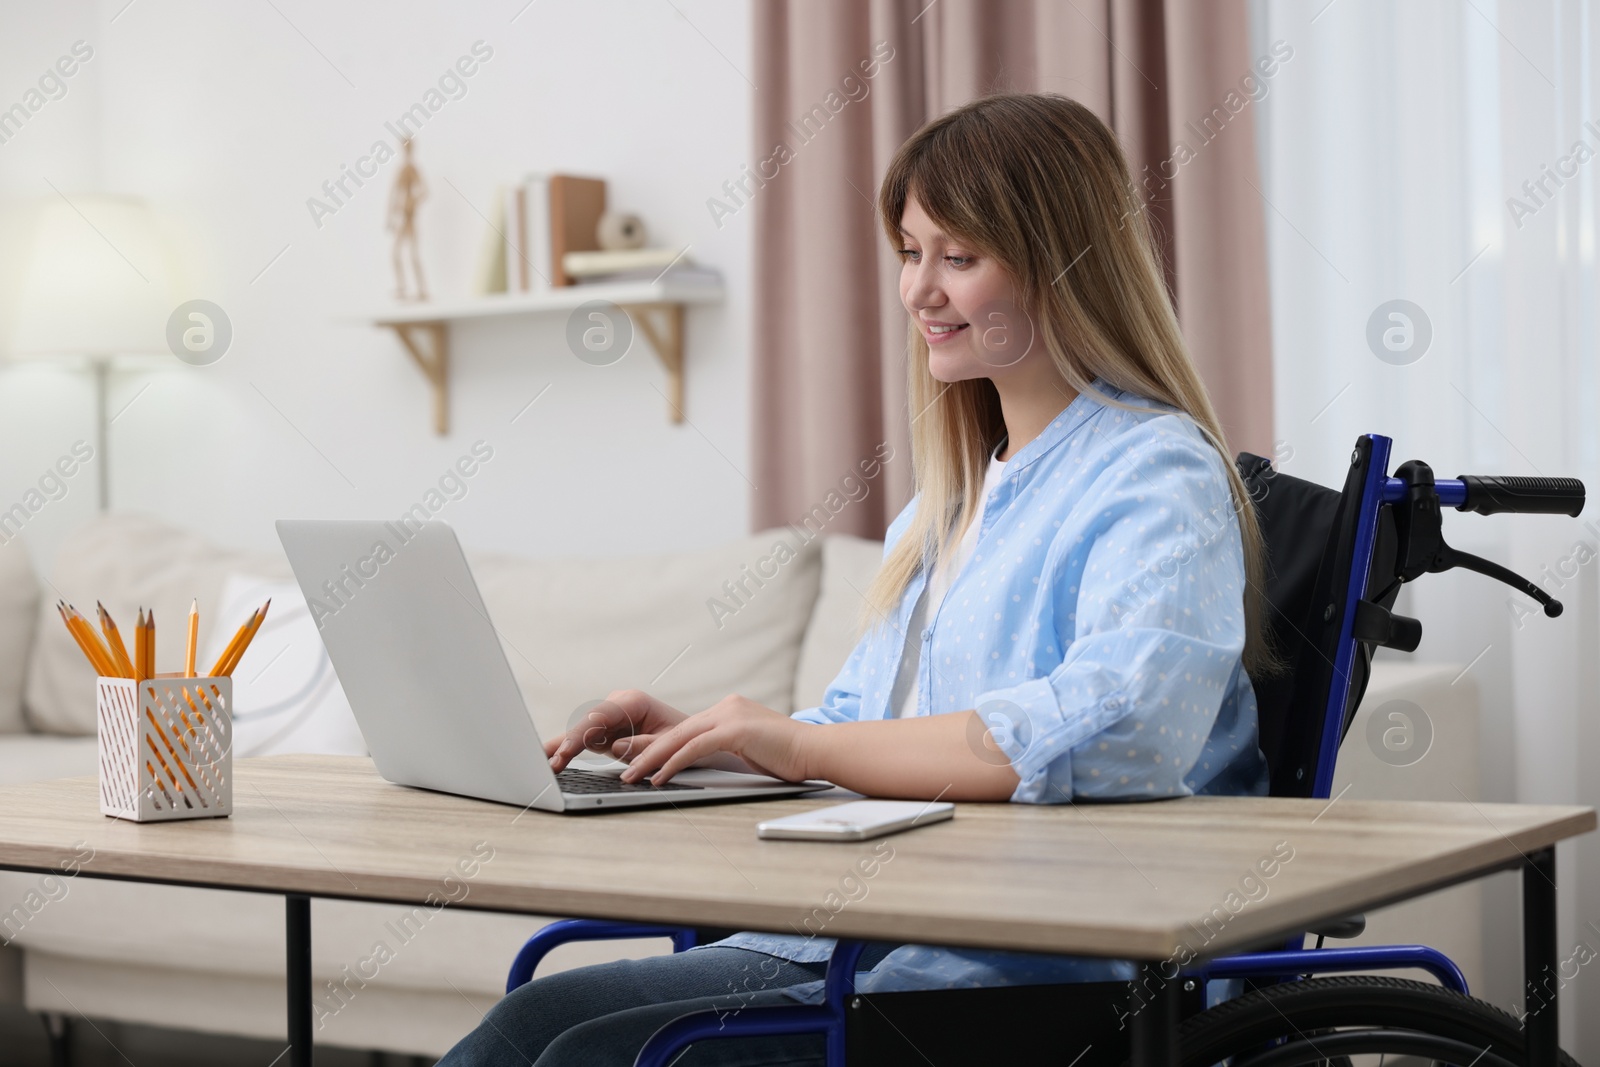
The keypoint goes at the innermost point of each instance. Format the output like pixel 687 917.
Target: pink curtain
pixel 842 83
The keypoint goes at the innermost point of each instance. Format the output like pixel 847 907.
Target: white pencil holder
pixel 166 747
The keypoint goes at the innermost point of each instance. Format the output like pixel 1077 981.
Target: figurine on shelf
pixel 409 191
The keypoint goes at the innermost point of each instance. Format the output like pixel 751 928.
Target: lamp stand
pixel 102 427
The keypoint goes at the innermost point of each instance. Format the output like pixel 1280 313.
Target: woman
pixel 1066 609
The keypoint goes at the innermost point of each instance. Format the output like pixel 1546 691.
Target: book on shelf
pixel 589 264
pixel 534 223
pixel 575 207
pixel 679 273
pixel 491 277
pixel 527 234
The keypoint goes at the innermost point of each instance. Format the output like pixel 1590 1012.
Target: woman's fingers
pixel 644 712
pixel 696 748
pixel 667 741
pixel 562 752
pixel 621 748
pixel 647 760
pixel 734 734
pixel 623 714
pixel 596 736
pixel 597 732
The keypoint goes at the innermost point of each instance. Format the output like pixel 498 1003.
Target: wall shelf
pixel 655 308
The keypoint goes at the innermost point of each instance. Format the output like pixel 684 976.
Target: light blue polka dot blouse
pixel 1097 629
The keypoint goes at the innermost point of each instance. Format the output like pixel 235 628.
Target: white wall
pixel 229 117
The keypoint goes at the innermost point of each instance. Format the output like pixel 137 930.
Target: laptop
pixel 429 683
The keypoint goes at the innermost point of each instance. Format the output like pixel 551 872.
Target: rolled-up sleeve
pixel 1147 599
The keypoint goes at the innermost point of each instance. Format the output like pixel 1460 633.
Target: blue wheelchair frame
pixel 1378 491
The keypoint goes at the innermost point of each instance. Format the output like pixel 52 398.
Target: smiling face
pixel 962 302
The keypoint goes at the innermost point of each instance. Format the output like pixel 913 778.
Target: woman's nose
pixel 923 287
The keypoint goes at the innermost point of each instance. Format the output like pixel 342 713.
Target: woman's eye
pixel 958 261
pixel 908 254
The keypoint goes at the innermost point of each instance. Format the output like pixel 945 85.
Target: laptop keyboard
pixel 576 781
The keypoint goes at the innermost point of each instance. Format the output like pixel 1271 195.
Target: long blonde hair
pixel 1038 182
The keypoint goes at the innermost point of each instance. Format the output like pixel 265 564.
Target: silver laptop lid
pixel 418 658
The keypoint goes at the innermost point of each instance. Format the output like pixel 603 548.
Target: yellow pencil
pixel 74 621
pixel 102 653
pixel 227 653
pixel 194 637
pixel 250 635
pixel 61 609
pixel 77 637
pixel 141 649
pixel 119 651
pixel 150 643
pixel 97 652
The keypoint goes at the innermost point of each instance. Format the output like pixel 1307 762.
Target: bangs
pixel 949 170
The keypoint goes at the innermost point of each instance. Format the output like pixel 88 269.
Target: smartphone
pixel 857 820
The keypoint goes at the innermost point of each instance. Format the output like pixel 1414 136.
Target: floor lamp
pixel 95 286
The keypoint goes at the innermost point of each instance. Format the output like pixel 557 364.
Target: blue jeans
pixel 602 1015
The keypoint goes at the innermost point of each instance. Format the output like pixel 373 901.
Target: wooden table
pixel 1132 881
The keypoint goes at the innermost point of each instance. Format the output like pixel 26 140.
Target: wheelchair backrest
pixel 1313 547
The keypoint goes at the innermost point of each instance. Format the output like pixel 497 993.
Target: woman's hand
pixel 765 741
pixel 623 715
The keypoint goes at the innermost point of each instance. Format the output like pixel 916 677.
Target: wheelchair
pixel 1336 562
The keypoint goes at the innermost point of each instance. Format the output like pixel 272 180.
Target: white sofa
pixel 574 630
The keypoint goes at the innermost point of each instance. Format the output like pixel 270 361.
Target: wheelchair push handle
pixel 1494 494
pixel 1417 498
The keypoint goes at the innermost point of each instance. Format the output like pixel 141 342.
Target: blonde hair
pixel 1038 182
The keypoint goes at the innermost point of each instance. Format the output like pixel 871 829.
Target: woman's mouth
pixel 942 332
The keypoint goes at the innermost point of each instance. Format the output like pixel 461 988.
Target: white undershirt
pixel 938 584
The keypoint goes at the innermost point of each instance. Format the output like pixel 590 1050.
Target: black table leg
pixel 1155 1018
pixel 1539 977
pixel 297 931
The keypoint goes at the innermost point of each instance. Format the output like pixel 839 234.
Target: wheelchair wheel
pixel 1320 1019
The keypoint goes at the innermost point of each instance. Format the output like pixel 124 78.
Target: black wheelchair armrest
pixel 1346 927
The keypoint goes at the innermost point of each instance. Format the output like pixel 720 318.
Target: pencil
pixel 250 635
pixel 78 638
pixel 150 643
pixel 97 653
pixel 194 637
pixel 89 651
pixel 101 652
pixel 233 645
pixel 141 649
pixel 61 609
pixel 119 651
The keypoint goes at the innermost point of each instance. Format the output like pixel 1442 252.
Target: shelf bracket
pixel 661 323
pixel 662 326
pixel 428 344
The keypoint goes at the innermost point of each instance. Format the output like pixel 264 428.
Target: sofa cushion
pixel 41 757
pixel 848 566
pixel 127 562
pixel 19 608
pixel 286 696
pixel 689 627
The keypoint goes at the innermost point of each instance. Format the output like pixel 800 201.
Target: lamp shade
pixel 96 281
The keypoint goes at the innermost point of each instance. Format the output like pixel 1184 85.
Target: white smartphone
pixel 857 820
